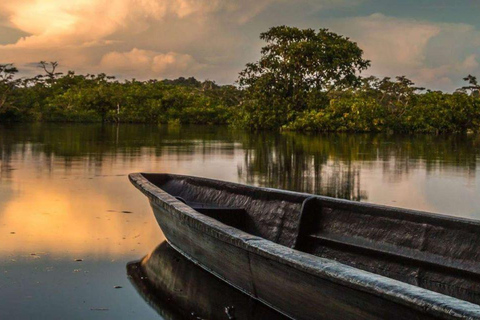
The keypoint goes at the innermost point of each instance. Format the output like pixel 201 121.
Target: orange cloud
pixel 88 35
pixel 78 22
pixel 149 62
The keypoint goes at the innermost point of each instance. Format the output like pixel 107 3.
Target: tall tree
pixel 297 68
pixel 473 86
pixel 49 68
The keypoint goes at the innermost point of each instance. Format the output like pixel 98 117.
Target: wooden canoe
pixel 315 257
pixel 178 289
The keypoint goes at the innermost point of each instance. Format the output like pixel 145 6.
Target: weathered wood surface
pixel 298 284
pixel 178 289
pixel 434 252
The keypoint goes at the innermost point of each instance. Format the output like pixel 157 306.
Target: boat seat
pixel 347 236
pixel 361 246
pixel 232 216
pixel 318 240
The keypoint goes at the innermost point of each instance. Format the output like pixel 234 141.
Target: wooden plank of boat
pixel 314 257
pixel 178 289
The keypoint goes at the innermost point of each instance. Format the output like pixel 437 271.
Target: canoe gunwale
pixel 399 292
pixel 361 207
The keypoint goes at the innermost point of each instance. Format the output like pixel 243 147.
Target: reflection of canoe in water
pixel 314 257
pixel 178 289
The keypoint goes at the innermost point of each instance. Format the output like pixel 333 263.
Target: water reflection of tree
pixel 328 164
pixel 92 142
pixel 300 162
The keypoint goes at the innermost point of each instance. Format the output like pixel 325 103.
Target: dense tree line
pixel 310 81
pixel 53 97
pixel 394 105
pixel 305 80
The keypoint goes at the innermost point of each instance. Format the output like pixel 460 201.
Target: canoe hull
pixel 295 283
pixel 176 288
pixel 290 291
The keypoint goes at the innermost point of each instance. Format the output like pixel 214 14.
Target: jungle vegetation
pixel 305 80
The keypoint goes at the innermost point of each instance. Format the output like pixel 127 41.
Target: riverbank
pixel 77 98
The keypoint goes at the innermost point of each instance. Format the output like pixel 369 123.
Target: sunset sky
pixel 434 42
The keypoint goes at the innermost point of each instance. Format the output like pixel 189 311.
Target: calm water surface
pixel 65 196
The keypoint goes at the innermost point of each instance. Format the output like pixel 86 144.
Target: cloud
pixel 435 55
pixel 87 35
pixel 79 22
pixel 10 35
pixel 448 76
pixel 392 45
pixel 213 39
pixel 155 64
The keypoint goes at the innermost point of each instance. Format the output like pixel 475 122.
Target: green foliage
pixel 297 69
pixel 440 112
pixel 373 111
pixel 309 81
pixel 352 113
pixel 54 97
pixel 8 83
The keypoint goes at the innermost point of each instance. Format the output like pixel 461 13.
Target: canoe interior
pixel 435 252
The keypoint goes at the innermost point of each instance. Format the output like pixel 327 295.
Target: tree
pixel 49 68
pixel 473 87
pixel 100 96
pixel 7 84
pixel 296 71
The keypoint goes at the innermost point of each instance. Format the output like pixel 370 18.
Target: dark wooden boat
pixel 178 289
pixel 314 257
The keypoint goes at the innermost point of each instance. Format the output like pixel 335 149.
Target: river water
pixel 70 221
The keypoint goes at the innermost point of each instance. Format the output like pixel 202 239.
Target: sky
pixel 433 42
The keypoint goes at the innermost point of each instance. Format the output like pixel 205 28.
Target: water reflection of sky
pixel 63 189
